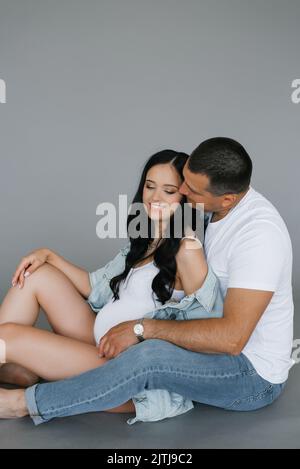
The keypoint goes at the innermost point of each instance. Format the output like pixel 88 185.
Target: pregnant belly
pixel 114 313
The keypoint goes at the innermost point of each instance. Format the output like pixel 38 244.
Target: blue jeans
pixel 225 381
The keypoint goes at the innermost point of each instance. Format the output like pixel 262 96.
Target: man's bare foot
pixel 16 374
pixel 12 404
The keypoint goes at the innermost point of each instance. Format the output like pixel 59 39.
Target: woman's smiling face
pixel 161 195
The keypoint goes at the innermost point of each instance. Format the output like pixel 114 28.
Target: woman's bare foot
pixel 12 404
pixel 16 374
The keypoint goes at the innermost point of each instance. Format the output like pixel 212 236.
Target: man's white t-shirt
pixel 250 248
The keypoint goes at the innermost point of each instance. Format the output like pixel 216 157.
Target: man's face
pixel 194 187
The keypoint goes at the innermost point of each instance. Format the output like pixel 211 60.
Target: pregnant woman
pixel 151 273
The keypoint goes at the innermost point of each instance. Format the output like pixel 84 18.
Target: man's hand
pixel 118 339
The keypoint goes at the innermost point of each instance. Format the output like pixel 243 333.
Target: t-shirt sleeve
pixel 257 257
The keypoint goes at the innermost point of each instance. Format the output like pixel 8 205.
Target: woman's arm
pixel 79 277
pixel 192 267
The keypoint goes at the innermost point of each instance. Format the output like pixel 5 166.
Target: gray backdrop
pixel 95 87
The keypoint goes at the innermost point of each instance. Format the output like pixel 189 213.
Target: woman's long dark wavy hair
pixel 165 254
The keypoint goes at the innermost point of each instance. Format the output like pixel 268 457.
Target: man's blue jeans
pixel 225 381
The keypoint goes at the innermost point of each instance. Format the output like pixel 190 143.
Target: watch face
pixel 138 329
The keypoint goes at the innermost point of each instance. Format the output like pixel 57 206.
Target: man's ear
pixel 228 200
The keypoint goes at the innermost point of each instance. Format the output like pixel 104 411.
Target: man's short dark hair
pixel 225 162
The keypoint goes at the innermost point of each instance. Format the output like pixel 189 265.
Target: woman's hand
pixel 29 264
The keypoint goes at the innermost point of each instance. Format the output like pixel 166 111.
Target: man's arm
pixel 243 309
pixel 254 270
pixel 258 254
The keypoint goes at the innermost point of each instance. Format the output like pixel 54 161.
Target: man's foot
pixel 12 404
pixel 16 374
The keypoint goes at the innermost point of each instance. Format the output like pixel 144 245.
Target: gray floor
pixel 277 426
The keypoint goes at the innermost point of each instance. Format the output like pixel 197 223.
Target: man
pixel 240 361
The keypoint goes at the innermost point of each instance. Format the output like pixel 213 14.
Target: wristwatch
pixel 138 329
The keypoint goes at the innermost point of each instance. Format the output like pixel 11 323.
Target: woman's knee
pixel 10 336
pixel 40 276
pixel 42 271
pixel 8 331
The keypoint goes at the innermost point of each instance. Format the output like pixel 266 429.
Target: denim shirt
pixel 206 302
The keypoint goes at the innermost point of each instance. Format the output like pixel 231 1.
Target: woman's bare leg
pixel 66 310
pixel 48 355
pixel 49 288
pixel 51 356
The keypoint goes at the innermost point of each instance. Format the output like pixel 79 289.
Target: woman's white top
pixel 136 298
